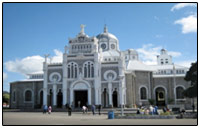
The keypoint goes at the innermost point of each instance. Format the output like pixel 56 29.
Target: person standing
pixel 99 109
pixel 69 111
pixel 84 109
pixel 93 109
pixel 49 110
pixel 43 109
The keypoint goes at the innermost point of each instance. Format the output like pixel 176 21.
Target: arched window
pixel 92 70
pixel 75 71
pixel 72 70
pixel 85 70
pixel 143 93
pixel 88 69
pixel 68 71
pixel 28 95
pixel 179 93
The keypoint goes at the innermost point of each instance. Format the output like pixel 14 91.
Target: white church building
pixel 95 71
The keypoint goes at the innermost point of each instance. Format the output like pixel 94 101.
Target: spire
pixel 105 29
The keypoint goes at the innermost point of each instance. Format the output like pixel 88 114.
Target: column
pixel 54 95
pixel 110 93
pixel 71 96
pixel 64 81
pixel 89 96
pixel 99 96
pixel 149 91
pixel 45 83
pixel 96 77
pixel 96 96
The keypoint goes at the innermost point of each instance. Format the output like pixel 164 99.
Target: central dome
pixel 107 41
pixel 106 35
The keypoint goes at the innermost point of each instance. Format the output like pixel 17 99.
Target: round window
pixel 112 46
pixel 103 46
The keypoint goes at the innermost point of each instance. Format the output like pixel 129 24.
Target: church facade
pixel 95 71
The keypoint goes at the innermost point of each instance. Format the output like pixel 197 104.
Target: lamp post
pixel 174 82
pixel 121 93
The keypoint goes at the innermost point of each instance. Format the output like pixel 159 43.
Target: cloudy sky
pixel 32 30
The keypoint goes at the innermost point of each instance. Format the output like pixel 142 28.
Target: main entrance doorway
pixel 81 97
pixel 59 99
pixel 160 96
pixel 115 99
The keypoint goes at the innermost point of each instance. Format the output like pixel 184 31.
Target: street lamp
pixel 121 93
pixel 174 81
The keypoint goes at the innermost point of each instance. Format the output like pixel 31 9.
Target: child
pixel 49 110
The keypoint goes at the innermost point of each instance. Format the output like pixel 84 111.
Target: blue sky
pixel 32 30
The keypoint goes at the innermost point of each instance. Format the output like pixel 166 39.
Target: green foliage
pixel 192 76
pixel 6 98
pixel 151 101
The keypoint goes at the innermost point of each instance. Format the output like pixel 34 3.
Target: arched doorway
pixel 105 98
pixel 114 99
pixel 81 98
pixel 160 96
pixel 41 98
pixel 80 93
pixel 59 99
pixel 50 98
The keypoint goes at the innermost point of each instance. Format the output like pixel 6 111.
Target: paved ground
pixel 61 118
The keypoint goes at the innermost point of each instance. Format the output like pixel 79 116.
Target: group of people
pixel 69 109
pixel 93 108
pixel 148 111
pixel 47 109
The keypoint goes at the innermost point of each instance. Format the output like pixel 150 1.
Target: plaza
pixel 77 118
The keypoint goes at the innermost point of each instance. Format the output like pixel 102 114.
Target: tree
pixel 192 76
pixel 6 98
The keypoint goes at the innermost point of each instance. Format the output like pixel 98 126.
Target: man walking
pixel 99 109
pixel 93 109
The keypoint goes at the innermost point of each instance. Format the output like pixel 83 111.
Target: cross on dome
pixel 105 29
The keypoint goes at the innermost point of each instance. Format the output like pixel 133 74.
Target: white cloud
pixel 174 54
pixel 189 24
pixel 182 5
pixel 148 53
pixel 30 64
pixel 58 56
pixel 5 76
pixel 185 63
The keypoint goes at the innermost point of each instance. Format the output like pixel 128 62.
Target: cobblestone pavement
pixel 62 118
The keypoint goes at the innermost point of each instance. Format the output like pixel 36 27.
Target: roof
pixel 168 75
pixel 34 73
pixel 159 67
pixel 28 80
pixel 107 35
pixel 138 66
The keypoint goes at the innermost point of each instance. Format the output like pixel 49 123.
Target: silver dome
pixel 106 35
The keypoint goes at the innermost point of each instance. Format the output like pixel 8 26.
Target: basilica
pixel 95 72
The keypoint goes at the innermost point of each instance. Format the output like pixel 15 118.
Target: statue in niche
pixel 110 77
